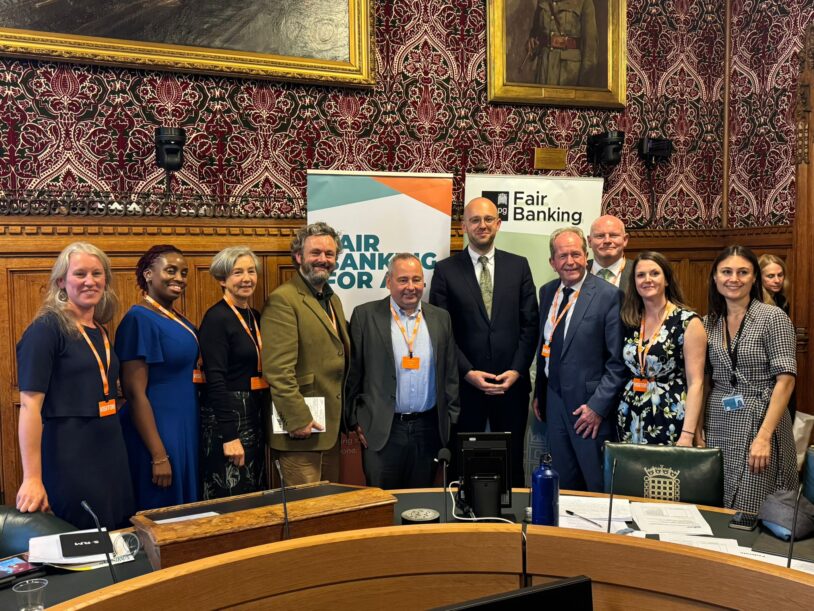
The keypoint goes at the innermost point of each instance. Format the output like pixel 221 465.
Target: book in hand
pixel 315 404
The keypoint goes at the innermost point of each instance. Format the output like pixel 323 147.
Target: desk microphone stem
pixel 286 528
pixel 794 526
pixel 87 508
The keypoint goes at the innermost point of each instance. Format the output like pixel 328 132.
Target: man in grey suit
pixel 580 370
pixel 608 240
pixel 402 390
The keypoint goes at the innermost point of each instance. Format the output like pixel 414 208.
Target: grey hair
pixel 56 301
pixel 314 229
pixel 224 262
pixel 402 256
pixel 558 232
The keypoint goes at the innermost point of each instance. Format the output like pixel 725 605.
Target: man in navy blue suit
pixel 580 371
pixel 490 297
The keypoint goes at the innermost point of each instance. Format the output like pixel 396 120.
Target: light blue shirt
pixel 415 388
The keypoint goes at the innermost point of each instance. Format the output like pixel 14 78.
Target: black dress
pixel 83 455
pixel 230 409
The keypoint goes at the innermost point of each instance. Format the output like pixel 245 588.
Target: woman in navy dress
pixel 236 394
pixel 158 349
pixel 70 439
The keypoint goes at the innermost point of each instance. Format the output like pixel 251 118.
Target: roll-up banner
pixel 530 209
pixel 378 214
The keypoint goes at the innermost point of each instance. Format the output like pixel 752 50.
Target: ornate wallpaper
pixel 71 127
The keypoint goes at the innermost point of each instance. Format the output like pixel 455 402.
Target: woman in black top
pixel 70 437
pixel 236 394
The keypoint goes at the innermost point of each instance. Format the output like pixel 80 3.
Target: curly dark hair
pixel 148 258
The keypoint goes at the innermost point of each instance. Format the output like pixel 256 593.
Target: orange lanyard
pixel 103 371
pixel 411 341
pixel 640 349
pixel 176 318
pixel 554 307
pixel 255 337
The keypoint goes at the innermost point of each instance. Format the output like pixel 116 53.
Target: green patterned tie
pixel 486 284
pixel 606 274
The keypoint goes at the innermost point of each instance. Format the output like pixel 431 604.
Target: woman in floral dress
pixel 664 350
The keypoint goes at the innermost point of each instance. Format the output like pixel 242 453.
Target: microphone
pixel 794 525
pixel 87 508
pixel 286 529
pixel 610 502
pixel 444 456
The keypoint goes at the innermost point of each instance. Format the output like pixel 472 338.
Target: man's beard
pixel 316 275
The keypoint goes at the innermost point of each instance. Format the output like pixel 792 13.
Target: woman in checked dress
pixel 751 354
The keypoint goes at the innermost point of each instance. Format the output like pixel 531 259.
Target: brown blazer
pixel 304 356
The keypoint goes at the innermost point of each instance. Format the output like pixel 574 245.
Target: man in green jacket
pixel 306 348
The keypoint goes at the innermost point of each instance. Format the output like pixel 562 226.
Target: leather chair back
pixel 17 528
pixel 690 475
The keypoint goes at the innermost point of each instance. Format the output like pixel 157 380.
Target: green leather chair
pixel 690 475
pixel 17 528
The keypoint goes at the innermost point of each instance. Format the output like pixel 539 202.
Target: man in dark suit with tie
pixel 402 391
pixel 490 297
pixel 608 240
pixel 580 370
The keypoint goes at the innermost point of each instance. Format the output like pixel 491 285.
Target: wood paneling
pixel 28 247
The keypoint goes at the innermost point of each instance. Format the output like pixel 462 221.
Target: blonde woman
pixel 70 438
pixel 775 281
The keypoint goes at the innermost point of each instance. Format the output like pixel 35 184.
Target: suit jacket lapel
pixel 497 283
pixel 381 320
pixel 467 270
pixel 586 295
pixel 434 330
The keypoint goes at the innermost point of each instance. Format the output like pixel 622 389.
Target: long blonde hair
pixel 766 260
pixel 56 299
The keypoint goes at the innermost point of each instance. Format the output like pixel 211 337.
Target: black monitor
pixel 485 461
pixel 573 594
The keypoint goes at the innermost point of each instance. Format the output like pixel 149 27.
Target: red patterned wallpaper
pixel 87 127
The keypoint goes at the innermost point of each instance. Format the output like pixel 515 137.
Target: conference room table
pixel 66 585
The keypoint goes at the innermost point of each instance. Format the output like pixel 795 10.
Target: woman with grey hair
pixel 236 394
pixel 70 438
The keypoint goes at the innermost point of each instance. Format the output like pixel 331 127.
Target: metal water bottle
pixel 545 494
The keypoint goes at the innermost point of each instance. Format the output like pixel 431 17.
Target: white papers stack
pixel 800 565
pixel 315 404
pixel 665 518
pixel 49 550
pixel 714 544
pixel 591 513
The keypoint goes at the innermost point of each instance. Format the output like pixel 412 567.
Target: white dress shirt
pixel 548 330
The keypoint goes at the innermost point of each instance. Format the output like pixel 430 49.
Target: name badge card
pixel 410 362
pixel 107 408
pixel 198 377
pixel 733 403
pixel 546 351
pixel 259 383
pixel 640 384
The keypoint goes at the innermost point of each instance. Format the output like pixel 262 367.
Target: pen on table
pixel 576 515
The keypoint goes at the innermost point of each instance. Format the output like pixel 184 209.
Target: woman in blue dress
pixel 70 439
pixel 158 349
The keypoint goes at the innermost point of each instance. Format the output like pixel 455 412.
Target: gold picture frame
pixel 354 68
pixel 550 69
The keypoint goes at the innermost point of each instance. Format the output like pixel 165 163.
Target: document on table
pixel 800 565
pixel 595 507
pixel 666 518
pixel 714 544
pixel 48 549
pixel 315 404
pixel 593 524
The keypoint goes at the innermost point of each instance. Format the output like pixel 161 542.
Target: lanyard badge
pixel 198 376
pixel 107 407
pixel 546 349
pixel 258 382
pixel 642 383
pixel 408 362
